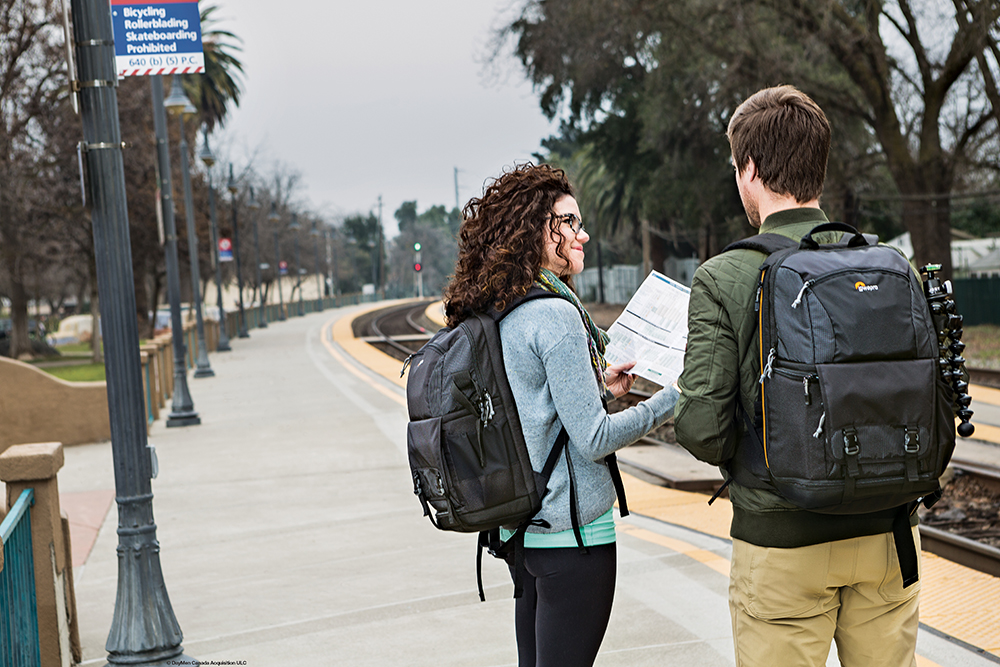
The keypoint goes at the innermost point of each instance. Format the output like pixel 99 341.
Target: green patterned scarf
pixel 597 340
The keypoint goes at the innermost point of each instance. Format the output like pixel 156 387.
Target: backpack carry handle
pixel 808 243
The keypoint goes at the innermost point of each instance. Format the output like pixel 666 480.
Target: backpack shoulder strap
pixel 765 243
pixel 534 292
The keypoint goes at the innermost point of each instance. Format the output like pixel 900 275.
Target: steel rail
pixel 987 377
pixel 393 312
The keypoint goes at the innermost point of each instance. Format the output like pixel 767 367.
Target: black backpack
pixel 853 414
pixel 467 454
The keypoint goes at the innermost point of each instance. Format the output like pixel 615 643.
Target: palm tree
pixel 217 87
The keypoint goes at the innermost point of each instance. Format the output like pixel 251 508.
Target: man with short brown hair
pixel 799 579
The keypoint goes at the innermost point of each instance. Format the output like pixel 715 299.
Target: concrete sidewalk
pixel 290 535
pixel 288 528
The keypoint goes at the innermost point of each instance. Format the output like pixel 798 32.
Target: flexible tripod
pixel 948 324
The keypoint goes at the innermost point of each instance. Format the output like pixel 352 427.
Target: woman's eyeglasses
pixel 573 220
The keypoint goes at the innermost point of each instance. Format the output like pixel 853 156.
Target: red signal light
pixel 417 266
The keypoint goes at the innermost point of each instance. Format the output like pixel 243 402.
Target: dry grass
pixel 982 346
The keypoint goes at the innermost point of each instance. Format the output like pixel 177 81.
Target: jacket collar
pixel 792 216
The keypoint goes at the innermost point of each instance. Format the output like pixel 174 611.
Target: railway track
pixel 964 526
pixel 398 331
pixel 985 376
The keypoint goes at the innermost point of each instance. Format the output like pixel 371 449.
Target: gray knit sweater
pixel 548 365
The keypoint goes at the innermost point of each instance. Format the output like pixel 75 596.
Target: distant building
pixel 969 257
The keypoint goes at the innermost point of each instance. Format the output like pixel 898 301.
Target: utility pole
pixel 144 629
pixel 458 205
pixel 378 249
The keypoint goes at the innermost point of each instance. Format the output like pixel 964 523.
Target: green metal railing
pixel 18 609
pixel 291 310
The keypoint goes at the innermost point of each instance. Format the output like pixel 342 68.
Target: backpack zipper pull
pixel 766 373
pixel 406 363
pixel 806 285
pixel 819 429
pixel 805 388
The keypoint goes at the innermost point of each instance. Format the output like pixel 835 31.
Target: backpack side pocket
pixel 423 448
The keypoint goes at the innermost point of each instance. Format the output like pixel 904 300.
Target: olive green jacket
pixel 721 364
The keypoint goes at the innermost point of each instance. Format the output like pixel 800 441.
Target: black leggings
pixel 561 619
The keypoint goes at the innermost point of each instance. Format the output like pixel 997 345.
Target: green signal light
pixel 416 247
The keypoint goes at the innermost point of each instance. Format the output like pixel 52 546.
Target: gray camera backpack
pixel 853 415
pixel 468 458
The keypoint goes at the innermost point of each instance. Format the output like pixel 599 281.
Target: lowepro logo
pixel 861 287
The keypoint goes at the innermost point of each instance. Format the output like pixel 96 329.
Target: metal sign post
pixel 144 629
pixel 154 38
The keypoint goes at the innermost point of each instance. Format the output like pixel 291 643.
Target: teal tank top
pixel 599 531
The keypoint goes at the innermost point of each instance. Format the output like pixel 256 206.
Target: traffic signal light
pixel 416 247
pixel 417 266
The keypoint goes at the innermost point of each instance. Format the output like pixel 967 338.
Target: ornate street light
pixel 334 273
pixel 178 104
pixel 319 274
pixel 274 219
pixel 254 206
pixel 182 407
pixel 209 160
pixel 144 628
pixel 231 186
pixel 295 227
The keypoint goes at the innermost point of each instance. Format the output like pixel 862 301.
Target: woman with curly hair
pixel 526 231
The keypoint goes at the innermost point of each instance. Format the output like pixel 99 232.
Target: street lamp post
pixel 182 408
pixel 274 218
pixel 295 227
pixel 178 104
pixel 319 274
pixel 334 272
pixel 254 206
pixel 144 628
pixel 209 160
pixel 231 186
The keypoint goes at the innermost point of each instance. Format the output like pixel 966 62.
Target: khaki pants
pixel 787 604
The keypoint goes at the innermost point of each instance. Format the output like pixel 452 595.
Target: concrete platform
pixel 290 535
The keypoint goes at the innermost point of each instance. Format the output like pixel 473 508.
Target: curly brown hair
pixel 501 242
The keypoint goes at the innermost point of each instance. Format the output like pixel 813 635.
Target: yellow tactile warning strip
pixel 435 313
pixel 955 600
pixel 367 355
pixel 984 394
pixel 990 396
pixel 682 508
pixel 713 560
pixel 960 602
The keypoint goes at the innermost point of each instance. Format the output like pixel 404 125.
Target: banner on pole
pixel 157 37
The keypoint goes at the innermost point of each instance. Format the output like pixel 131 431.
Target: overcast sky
pixel 378 97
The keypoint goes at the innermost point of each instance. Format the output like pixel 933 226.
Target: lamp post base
pixel 204 373
pixel 223 347
pixel 136 660
pixel 183 419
